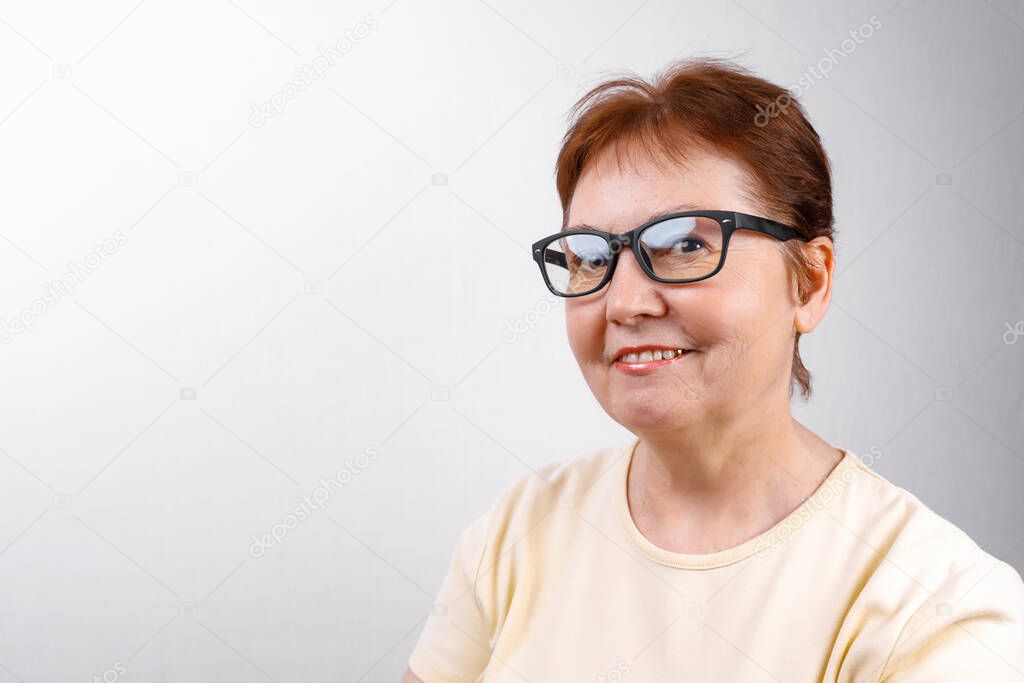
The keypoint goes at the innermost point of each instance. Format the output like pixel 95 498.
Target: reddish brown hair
pixel 719 105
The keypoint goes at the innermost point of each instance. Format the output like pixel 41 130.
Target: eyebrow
pixel 659 214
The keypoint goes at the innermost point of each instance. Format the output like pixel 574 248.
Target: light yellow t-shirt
pixel 861 583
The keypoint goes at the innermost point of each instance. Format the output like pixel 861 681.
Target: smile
pixel 642 362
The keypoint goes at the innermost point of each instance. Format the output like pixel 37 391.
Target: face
pixel 737 326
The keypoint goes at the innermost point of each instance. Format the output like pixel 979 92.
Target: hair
pixel 714 104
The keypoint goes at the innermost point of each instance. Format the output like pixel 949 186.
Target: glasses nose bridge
pixel 622 239
pixel 628 241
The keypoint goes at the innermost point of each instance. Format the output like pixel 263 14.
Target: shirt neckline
pixel 827 491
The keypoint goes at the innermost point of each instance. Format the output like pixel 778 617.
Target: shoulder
pixel 494 558
pixel 511 527
pixel 908 531
pixel 527 500
pixel 944 601
pixel 501 548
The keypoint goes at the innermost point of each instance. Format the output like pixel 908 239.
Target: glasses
pixel 675 248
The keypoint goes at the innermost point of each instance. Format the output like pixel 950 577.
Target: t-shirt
pixel 860 583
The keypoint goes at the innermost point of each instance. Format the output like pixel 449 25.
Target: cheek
pixel 579 328
pixel 731 310
pixel 583 328
pixel 749 318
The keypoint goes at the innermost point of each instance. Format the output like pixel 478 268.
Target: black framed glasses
pixel 676 248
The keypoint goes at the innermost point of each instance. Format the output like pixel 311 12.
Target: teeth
pixel 650 355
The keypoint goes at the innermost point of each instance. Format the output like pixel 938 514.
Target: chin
pixel 640 411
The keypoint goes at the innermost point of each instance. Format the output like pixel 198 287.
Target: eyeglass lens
pixel 682 248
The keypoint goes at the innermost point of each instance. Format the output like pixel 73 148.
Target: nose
pixel 630 293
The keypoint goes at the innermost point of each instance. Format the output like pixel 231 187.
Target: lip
pixel 645 368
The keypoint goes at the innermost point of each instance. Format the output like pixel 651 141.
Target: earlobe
pixel 804 321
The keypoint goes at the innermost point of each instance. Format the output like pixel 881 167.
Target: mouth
pixel 647 359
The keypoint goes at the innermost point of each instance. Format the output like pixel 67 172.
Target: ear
pixel 820 256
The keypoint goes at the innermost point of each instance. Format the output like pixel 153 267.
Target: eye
pixel 591 261
pixel 687 245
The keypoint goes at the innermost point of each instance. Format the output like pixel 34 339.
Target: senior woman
pixel 726 541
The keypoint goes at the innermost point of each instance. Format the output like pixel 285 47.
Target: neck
pixel 718 483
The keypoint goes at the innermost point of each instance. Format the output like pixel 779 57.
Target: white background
pixel 317 281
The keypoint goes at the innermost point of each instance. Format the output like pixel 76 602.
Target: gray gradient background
pixel 128 505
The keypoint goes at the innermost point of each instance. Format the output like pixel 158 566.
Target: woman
pixel 726 541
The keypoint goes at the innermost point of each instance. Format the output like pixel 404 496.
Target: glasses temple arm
pixel 555 258
pixel 767 226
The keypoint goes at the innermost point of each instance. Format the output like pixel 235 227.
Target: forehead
pixel 621 190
